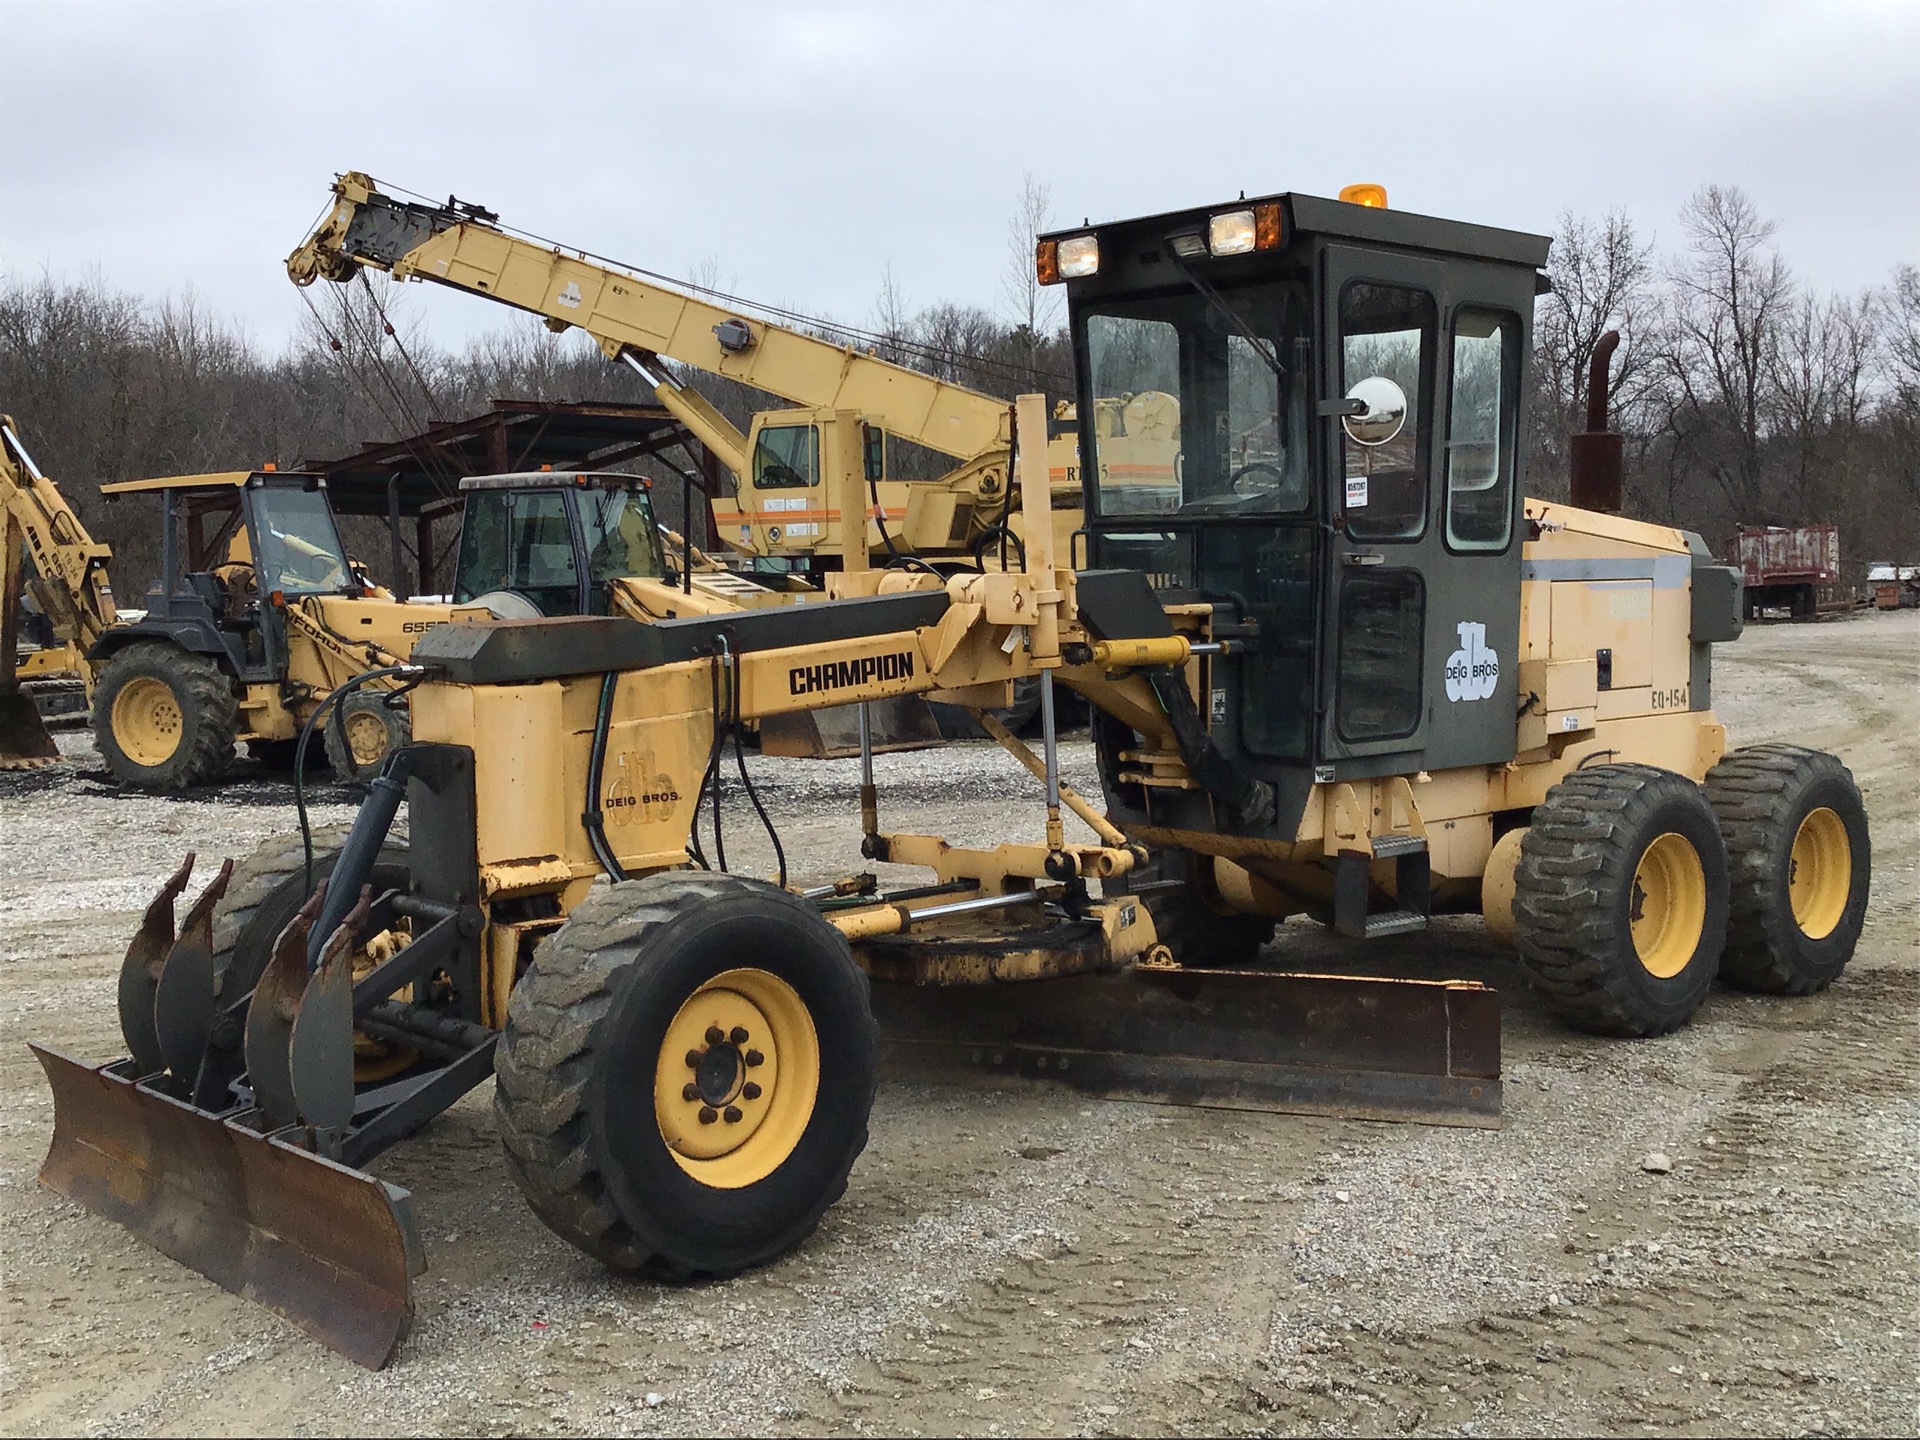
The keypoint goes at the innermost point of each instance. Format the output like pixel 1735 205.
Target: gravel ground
pixel 1025 1262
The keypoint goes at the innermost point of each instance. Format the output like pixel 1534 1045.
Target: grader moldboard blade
pixel 226 1192
pixel 1362 1047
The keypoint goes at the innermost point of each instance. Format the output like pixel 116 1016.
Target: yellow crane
pixel 799 471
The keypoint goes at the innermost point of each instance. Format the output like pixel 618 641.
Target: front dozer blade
pixel 1358 1046
pixel 330 1248
pixel 25 742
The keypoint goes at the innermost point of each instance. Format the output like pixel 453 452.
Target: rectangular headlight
pixel 1080 256
pixel 1188 245
pixel 1231 233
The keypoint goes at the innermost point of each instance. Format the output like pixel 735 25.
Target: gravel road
pixel 1030 1262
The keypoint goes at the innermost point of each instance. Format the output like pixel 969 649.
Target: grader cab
pixel 1339 668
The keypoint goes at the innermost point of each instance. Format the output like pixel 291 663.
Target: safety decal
pixel 570 296
pixel 1473 671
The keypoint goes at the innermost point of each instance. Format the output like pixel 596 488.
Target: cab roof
pixel 1318 215
pixel 547 479
pixel 212 480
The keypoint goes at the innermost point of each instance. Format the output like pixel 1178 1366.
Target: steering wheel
pixel 318 569
pixel 1248 471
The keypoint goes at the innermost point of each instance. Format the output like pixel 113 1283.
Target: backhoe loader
pixel 1351 674
pixel 261 612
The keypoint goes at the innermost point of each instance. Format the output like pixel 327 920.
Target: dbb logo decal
pixel 1473 671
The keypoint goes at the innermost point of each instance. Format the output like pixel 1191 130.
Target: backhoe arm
pixel 461 246
pixel 71 584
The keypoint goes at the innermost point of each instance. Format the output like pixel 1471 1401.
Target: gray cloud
pixel 807 148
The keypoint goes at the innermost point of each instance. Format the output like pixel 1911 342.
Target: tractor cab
pixel 228 542
pixel 542 543
pixel 1330 394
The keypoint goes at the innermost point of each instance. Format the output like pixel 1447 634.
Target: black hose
pixel 746 781
pixel 593 817
pixel 333 698
pixel 1005 535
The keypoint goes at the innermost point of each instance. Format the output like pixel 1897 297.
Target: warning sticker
pixel 1356 492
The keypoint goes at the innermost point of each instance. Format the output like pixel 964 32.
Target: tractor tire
pixel 1800 862
pixel 363 734
pixel 164 718
pixel 1197 933
pixel 625 1080
pixel 269 887
pixel 1620 899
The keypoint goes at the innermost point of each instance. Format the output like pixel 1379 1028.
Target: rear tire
pixel 164 718
pixel 362 736
pixel 604 1074
pixel 1800 863
pixel 1620 900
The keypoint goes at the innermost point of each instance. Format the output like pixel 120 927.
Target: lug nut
pixel 754 1057
pixel 734 1117
pixel 749 1091
pixel 690 1092
pixel 708 1115
pixel 714 1035
pixel 693 1059
pixel 738 1035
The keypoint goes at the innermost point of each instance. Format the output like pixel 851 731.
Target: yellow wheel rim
pixel 378 1060
pixel 146 721
pixel 366 739
pixel 1820 873
pixel 1669 905
pixel 737 1077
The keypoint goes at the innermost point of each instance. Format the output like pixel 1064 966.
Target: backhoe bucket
pixel 25 743
pixel 903 723
pixel 1362 1047
pixel 330 1248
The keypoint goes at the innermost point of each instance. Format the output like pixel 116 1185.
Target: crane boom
pixel 627 314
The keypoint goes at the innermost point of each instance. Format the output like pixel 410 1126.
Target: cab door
pixel 1422 601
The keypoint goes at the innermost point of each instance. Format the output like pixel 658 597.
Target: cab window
pixel 786 457
pixel 520 542
pixel 1387 331
pixel 298 550
pixel 622 540
pixel 1482 417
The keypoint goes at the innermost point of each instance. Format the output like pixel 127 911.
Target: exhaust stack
pixel 1597 453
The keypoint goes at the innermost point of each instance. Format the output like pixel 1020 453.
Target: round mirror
pixel 1386 411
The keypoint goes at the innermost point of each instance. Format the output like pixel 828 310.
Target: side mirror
pixel 1378 415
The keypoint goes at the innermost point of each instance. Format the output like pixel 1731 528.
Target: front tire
pixel 686 1074
pixel 1620 899
pixel 1801 863
pixel 164 718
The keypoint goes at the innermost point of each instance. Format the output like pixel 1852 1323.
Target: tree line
pixel 1747 396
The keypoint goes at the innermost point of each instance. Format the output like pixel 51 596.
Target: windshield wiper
pixel 1218 303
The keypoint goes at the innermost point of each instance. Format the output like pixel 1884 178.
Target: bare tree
pixel 1034 308
pixel 1731 292
pixel 1602 276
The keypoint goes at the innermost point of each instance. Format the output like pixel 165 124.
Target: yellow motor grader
pixel 1351 675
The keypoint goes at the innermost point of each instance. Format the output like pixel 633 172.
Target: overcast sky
pixel 802 148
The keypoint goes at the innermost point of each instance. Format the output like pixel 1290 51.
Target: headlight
pixel 1231 233
pixel 1187 245
pixel 1080 257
